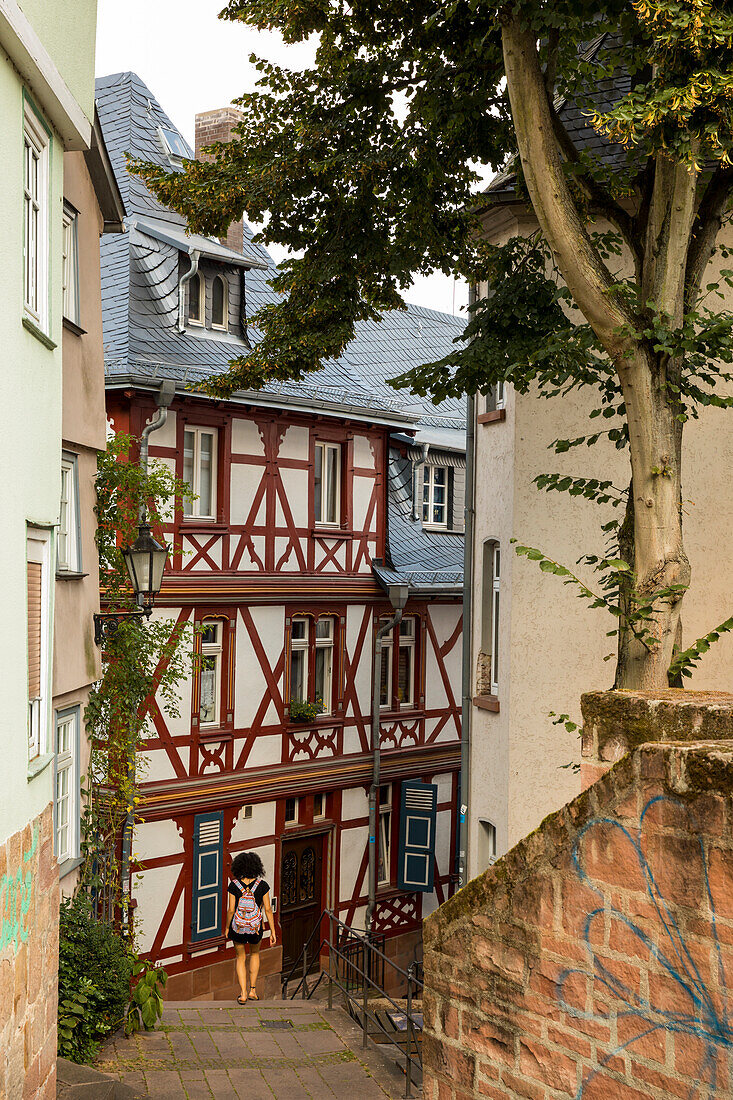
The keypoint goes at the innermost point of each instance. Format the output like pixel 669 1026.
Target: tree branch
pixel 601 199
pixel 705 228
pixel 585 274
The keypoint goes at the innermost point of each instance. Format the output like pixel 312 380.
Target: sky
pixel 192 61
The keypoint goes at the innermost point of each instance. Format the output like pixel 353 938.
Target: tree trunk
pixel 655 433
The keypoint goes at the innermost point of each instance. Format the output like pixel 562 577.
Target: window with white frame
pixel 196 306
pixel 299 661
pixel 68 559
pixel 36 150
pixel 496 397
pixel 491 595
pixel 406 664
pixel 403 676
pixel 66 794
pixel 173 146
pixel 199 471
pixel 312 661
pixel 384 863
pixel 291 810
pixel 219 303
pixel 210 672
pixel 435 495
pixel 70 263
pixel 327 484
pixel 324 664
pixel 38 626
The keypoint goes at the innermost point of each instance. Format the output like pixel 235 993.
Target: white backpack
pixel 247 919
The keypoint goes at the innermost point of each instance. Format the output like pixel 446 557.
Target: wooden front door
pixel 300 895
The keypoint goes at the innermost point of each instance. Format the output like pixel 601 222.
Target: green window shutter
pixel 208 858
pixel 418 812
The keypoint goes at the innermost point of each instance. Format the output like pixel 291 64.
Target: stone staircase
pixel 86 1083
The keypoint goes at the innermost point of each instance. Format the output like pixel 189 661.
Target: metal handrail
pixel 316 928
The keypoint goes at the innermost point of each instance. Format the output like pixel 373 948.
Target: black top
pixel 259 893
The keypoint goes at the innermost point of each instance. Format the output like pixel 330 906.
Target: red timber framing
pixel 253 577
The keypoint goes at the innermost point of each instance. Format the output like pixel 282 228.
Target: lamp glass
pixel 145 561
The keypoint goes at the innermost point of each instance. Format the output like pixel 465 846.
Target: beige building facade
pixel 536 647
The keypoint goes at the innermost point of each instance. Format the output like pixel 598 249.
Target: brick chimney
pixel 213 126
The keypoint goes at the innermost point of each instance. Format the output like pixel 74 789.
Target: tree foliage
pixel 363 166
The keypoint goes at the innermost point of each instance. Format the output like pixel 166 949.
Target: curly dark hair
pixel 247 865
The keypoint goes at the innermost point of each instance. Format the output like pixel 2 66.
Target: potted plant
pixel 303 711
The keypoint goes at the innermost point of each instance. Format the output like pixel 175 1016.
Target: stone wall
pixel 29 941
pixel 595 960
pixel 217 981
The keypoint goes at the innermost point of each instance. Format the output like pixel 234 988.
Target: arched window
pixel 195 301
pixel 219 303
pixel 490 591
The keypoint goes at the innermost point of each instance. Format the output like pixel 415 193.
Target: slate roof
pixel 140 279
pixel 577 122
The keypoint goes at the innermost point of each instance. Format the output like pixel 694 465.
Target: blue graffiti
pixel 700 1014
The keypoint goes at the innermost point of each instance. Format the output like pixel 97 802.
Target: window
pixel 196 300
pixel 36 146
pixel 491 584
pixel 174 146
pixel 496 398
pixel 327 484
pixel 70 265
pixel 385 835
pixel 219 303
pixel 319 805
pixel 486 844
pixel 299 660
pixel 199 471
pixel 68 558
pixel 291 810
pixel 66 794
pixel 38 602
pixel 210 673
pixel 311 661
pixel 404 674
pixel 435 496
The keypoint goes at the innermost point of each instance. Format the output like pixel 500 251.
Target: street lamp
pixel 145 561
pixel 398 595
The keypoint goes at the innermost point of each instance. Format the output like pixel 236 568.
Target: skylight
pixel 174 146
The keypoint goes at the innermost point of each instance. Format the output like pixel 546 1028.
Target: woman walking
pixel 249 898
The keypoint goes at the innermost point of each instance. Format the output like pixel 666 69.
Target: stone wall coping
pixel 684 767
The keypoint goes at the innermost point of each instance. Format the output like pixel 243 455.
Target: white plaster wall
pixel 363 455
pixel 246 439
pixel 153 890
pixel 353 843
pixel 363 488
pixel 165 436
pixel 262 822
pixel 157 838
pixel 295 484
pixel 267 749
pixel 244 482
pixel 354 803
pixel 363 679
pixel 249 681
pixel 295 444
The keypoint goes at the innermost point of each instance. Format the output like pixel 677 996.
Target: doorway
pixel 301 874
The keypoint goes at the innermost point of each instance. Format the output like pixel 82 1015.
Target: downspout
pixel 376 760
pixel 415 467
pixel 467 676
pixel 165 396
pixel 182 282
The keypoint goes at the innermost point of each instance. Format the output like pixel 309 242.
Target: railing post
pixel 364 972
pixel 330 958
pixel 408 1046
pixel 305 969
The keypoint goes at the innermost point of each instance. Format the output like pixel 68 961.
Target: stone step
pixel 75 1082
pixel 264 1002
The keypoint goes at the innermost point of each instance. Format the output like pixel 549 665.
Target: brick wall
pixel 213 126
pixel 595 960
pixel 29 944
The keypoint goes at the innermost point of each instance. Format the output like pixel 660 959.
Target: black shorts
pixel 245 937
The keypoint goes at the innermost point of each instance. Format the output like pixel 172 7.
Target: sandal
pixel 253 996
pixel 240 1001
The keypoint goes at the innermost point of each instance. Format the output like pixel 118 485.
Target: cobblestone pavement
pixel 210 1050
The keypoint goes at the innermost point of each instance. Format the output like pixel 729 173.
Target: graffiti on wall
pixel 681 989
pixel 16 894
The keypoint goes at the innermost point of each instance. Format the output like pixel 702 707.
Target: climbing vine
pixel 141 659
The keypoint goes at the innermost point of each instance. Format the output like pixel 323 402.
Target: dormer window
pixel 219 303
pixel 435 496
pixel 174 146
pixel 196 301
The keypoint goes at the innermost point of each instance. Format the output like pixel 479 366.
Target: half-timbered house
pixel 309 500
